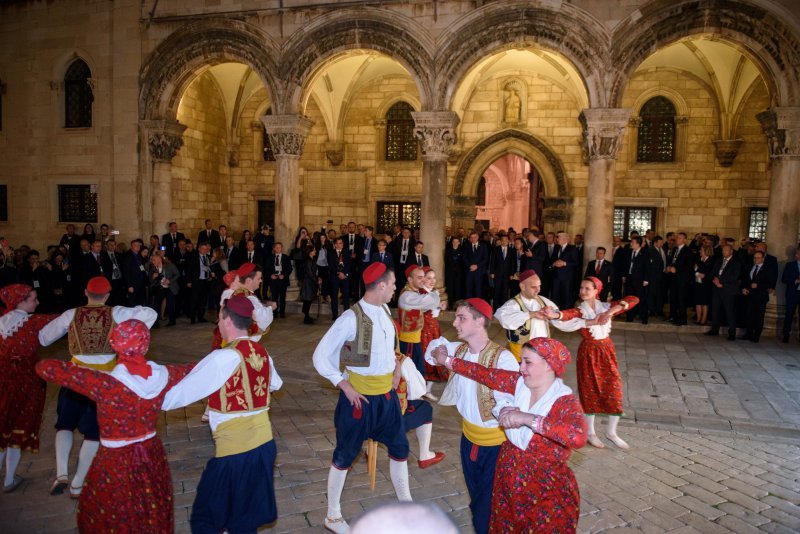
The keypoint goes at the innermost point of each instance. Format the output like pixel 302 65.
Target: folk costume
pixel 88 330
pixel 534 488
pixel 481 434
pixel 262 315
pixel 515 317
pixel 236 491
pixel 411 307
pixel 431 329
pixel 22 392
pixel 129 487
pixel 362 341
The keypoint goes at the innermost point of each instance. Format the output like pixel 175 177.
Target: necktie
pixel 504 252
pixel 250 257
pixel 597 266
pixel 474 248
pixel 419 259
pixel 755 273
pixel 173 239
pixel 635 252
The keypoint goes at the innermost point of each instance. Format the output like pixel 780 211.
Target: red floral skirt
pixel 22 396
pixel 128 490
pixel 599 383
pixel 430 331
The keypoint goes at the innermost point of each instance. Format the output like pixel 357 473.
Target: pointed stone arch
pixel 170 68
pixel 758 32
pixel 498 26
pixel 350 29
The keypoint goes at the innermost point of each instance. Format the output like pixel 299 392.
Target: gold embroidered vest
pixel 357 352
pixel 488 357
pixel 522 334
pixel 247 389
pixel 90 330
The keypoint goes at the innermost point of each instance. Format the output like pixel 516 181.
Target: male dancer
pixel 411 308
pixel 89 328
pixel 477 404
pixel 523 316
pixel 362 341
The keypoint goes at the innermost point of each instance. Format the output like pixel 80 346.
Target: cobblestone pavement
pixel 713 427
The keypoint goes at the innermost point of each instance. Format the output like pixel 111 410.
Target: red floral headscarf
pixel 130 340
pixel 553 351
pixel 13 294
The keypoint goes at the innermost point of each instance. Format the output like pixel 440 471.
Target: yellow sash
pixel 371 385
pixel 97 366
pixel 411 337
pixel 242 434
pixel 482 436
pixel 515 349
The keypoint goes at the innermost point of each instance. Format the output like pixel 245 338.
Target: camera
pixel 162 247
pixel 114 232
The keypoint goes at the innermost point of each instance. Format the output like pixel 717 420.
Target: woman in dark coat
pixel 702 284
pixel 454 270
pixel 310 283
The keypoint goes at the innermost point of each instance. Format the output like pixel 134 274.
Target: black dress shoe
pixel 785 339
pixel 745 337
pixel 711 333
pixel 731 338
pixel 308 320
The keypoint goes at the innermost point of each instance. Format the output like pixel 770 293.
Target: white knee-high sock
pixel 429 386
pixel 424 439
pixel 336 479
pixel 613 421
pixel 399 474
pixel 63 450
pixel 590 425
pixel 13 456
pixel 85 457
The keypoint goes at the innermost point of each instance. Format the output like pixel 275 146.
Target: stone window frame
pixel 89 93
pixel 380 134
pixel 658 204
pixel 681 130
pixel 748 205
pixel 72 181
pixel 402 139
pixel 60 67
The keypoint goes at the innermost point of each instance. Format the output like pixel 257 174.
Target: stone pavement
pixel 713 427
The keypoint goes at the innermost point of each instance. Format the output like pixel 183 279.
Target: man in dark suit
pixel 181 261
pixel 637 279
pixel 726 273
pixel 658 262
pixel 232 254
pixel 170 240
pixel 354 245
pixel 251 255
pixel 619 262
pixel 279 267
pixel 210 236
pixel 563 270
pixel 403 250
pixel 454 270
pixel 339 269
pixel 501 267
pixel 551 252
pixel 110 261
pixel 758 283
pixel 536 253
pixel 264 241
pixel 791 277
pixel 680 271
pixel 198 273
pixel 382 255
pixel 476 260
pixel 576 282
pixel 419 258
pixel 366 254
pixel 601 268
pixel 91 265
pixel 133 272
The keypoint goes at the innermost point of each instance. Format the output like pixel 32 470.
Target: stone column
pixel 164 139
pixel 603 132
pixel 287 136
pixel 782 128
pixel 436 132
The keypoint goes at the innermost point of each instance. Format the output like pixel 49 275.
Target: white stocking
pixel 429 386
pixel 85 457
pixel 424 439
pixel 399 474
pixel 336 479
pixel 591 437
pixel 63 449
pixel 13 455
pixel 613 420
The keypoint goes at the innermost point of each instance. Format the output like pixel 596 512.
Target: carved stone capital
pixel 435 130
pixel 164 138
pixel 287 134
pixel 727 150
pixel 603 130
pixel 782 128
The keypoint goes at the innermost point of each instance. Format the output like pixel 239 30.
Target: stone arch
pixel 569 31
pixel 169 69
pixel 550 167
pixel 63 62
pixel 386 32
pixel 758 32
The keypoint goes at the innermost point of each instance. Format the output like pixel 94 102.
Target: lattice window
pixel 400 142
pixel 757 223
pixel 626 220
pixel 656 141
pixel 77 203
pixel 78 95
pixel 3 202
pixel 402 213
pixel 481 196
pixel 267 148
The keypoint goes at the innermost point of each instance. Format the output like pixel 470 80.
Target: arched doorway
pixel 510 194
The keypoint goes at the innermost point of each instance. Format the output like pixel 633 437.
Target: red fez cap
pixel 553 351
pixel 411 268
pixel 98 285
pixel 527 273
pixel 482 306
pixel 373 272
pixel 245 269
pixel 229 277
pixel 240 305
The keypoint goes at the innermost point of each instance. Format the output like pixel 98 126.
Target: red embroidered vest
pixel 411 322
pixel 247 389
pixel 90 330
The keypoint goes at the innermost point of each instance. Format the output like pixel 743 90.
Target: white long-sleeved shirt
pixel 262 315
pixel 511 317
pixel 208 376
pixel 467 389
pixel 382 359
pixel 414 300
pixel 59 326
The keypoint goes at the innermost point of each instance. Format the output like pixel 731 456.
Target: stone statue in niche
pixel 512 106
